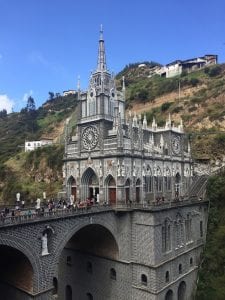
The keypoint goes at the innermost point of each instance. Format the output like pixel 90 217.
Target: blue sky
pixel 46 44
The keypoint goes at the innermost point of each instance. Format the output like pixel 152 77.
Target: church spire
pixel 101 53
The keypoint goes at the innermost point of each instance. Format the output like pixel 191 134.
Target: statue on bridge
pixel 44 245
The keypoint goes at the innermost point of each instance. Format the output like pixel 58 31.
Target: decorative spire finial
pixel 101 53
pixel 101 33
pixel 78 82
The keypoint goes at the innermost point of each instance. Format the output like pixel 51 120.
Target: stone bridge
pixel 119 249
pixel 24 270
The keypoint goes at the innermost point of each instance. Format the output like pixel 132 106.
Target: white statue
pixel 38 205
pixel 17 196
pixel 71 199
pixel 44 245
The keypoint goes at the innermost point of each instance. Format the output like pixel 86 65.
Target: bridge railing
pixel 32 215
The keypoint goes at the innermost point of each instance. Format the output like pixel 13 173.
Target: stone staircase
pixel 198 187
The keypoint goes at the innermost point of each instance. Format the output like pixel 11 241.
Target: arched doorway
pixel 72 187
pixel 177 184
pixel 94 251
pixel 138 190
pixel 111 190
pixel 181 292
pixel 16 273
pixel 169 295
pixel 127 191
pixel 89 185
pixel 69 294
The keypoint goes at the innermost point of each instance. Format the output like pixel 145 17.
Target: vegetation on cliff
pixel 212 268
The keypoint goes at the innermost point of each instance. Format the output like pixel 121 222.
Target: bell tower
pixel 102 100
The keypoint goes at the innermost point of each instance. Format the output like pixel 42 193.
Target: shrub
pixel 165 106
pixel 215 71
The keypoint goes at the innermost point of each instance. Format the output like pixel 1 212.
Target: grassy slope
pixel 201 105
pixel 41 170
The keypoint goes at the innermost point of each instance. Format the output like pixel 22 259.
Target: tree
pixel 30 104
pixel 3 113
pixel 51 95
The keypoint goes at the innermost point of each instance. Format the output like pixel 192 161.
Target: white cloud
pixel 27 95
pixel 6 103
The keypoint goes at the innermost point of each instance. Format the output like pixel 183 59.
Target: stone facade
pixel 117 159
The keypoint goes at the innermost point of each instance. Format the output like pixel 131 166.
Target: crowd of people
pixel 42 206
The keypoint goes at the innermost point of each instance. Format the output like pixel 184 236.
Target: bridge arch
pixel 93 243
pixel 20 260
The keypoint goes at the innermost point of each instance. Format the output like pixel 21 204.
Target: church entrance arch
pixel 138 190
pixel 111 190
pixel 72 187
pixel 89 185
pixel 127 191
pixel 181 291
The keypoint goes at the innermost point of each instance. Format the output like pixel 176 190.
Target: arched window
pixel 144 279
pixel 89 296
pixel 138 190
pixel 188 228
pixel 169 295
pixel 69 260
pixel 159 180
pixel 167 277
pixel 69 294
pixel 181 292
pixel 180 269
pixel 201 229
pixel 167 180
pixel 179 231
pixel 55 285
pixel 166 236
pixel 113 273
pixel 89 267
pixel 148 180
pixel 191 261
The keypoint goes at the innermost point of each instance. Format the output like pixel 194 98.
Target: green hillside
pixel 33 172
pixel 199 102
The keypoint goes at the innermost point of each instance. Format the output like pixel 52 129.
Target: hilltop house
pixel 178 66
pixel 32 145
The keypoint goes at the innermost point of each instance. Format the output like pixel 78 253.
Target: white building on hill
pixel 32 145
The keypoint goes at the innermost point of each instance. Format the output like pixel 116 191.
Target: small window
pixel 144 279
pixel 89 296
pixel 191 261
pixel 180 269
pixel 89 267
pixel 167 277
pixel 55 285
pixel 113 274
pixel 69 260
pixel 201 229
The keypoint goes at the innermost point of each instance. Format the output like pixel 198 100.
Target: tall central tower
pixel 101 101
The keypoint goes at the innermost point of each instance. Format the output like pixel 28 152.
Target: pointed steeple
pixel 101 66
